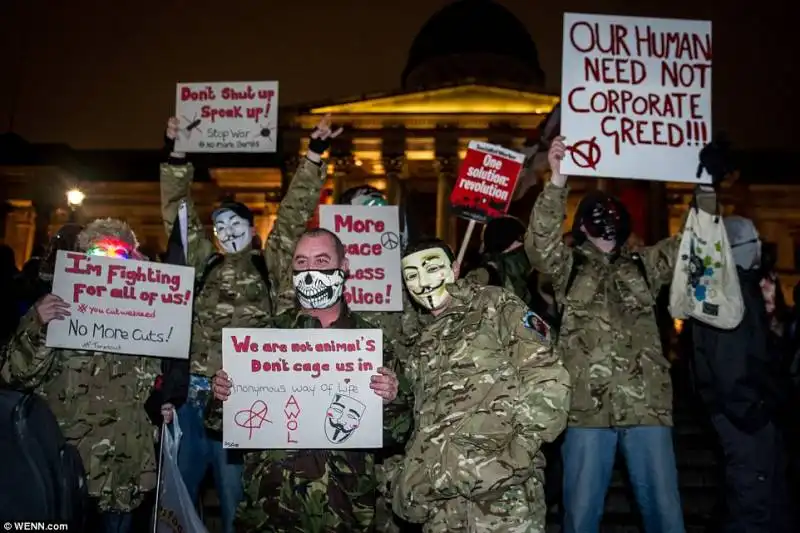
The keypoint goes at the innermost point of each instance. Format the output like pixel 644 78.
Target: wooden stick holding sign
pixel 485 185
pixel 467 236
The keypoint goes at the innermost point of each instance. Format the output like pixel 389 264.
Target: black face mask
pixel 604 221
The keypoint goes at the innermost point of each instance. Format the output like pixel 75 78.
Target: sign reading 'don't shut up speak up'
pixel 122 306
pixel 302 388
pixel 227 117
pixel 486 182
pixel 636 95
pixel 371 237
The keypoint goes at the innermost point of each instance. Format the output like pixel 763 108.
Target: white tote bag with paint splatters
pixel 705 285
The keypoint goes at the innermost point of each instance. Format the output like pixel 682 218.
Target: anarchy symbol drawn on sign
pixel 390 240
pixel 253 418
pixel 585 154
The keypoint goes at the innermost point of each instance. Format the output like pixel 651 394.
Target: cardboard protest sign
pixel 302 388
pixel 486 182
pixel 636 95
pixel 227 117
pixel 123 306
pixel 371 236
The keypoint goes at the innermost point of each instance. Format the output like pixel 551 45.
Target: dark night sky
pixel 101 74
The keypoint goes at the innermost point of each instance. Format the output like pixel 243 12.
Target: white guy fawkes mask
pixel 425 274
pixel 342 418
pixel 318 289
pixel 233 232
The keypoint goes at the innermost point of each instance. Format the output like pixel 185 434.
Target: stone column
pixel 343 161
pixel 446 168
pixel 393 149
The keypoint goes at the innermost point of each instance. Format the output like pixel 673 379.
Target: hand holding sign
pixel 51 307
pixel 221 385
pixel 173 127
pixel 385 384
pixel 554 157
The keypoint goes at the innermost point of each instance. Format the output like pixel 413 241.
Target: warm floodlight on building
pixel 75 198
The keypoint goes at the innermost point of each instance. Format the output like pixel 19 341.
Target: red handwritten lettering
pixel 215 113
pixel 624 130
pixel 292 411
pixel 244 345
pixel 614 70
pixel 78 268
pixel 364 249
pixel 96 291
pixel 201 95
pixel 358 295
pixel 349 224
pixel 369 273
pixel 229 93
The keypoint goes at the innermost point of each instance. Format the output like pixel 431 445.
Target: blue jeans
pixel 198 451
pixel 589 454
pixel 114 522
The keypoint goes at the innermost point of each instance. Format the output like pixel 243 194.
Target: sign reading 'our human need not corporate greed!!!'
pixel 636 96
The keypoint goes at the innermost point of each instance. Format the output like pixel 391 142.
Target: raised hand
pixel 321 139
pixel 51 307
pixel 171 134
pixel 554 157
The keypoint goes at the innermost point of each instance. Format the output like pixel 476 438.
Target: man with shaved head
pixel 338 487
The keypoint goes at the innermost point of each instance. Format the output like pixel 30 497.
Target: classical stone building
pixel 472 73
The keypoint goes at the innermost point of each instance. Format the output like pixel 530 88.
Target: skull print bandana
pixel 318 289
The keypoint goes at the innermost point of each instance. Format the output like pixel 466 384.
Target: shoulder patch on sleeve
pixel 534 322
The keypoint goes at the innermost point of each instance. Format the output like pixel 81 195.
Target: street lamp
pixel 74 198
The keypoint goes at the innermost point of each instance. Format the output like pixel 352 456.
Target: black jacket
pixel 173 387
pixel 738 372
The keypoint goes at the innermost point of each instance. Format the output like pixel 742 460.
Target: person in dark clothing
pixel 738 376
pixel 9 313
pixel 503 260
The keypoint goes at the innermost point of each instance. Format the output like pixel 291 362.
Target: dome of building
pixel 472 40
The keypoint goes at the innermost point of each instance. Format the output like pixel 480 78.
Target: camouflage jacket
pixel 234 295
pixel 609 339
pixel 316 491
pixel 488 391
pixel 97 399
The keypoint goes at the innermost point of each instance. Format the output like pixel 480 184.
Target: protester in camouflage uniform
pixel 488 391
pixel 96 397
pixel 241 289
pixel 609 340
pixel 314 491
